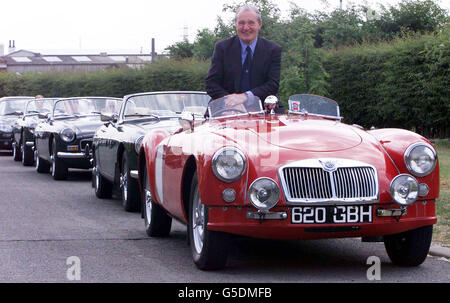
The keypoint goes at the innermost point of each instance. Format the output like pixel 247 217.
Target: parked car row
pixel 227 168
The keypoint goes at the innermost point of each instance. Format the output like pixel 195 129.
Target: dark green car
pixel 10 108
pixel 116 143
pixel 23 128
pixel 67 132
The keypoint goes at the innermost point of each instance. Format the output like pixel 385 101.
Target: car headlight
pixel 67 135
pixel 420 159
pixel 264 193
pixel 138 144
pixel 228 164
pixel 404 189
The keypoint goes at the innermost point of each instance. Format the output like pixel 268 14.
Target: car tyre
pixel 209 248
pixel 157 222
pixel 16 152
pixel 103 188
pixel 27 155
pixel 59 168
pixel 131 198
pixel 409 248
pixel 41 165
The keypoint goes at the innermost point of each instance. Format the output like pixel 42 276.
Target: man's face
pixel 247 26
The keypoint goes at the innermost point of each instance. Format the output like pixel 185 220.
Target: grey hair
pixel 248 7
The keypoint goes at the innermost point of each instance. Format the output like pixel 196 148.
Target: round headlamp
pixel 404 189
pixel 67 135
pixel 228 164
pixel 138 144
pixel 264 193
pixel 420 159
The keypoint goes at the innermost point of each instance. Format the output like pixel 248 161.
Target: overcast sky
pixel 93 26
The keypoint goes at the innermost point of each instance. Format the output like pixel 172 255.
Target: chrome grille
pixel 316 184
pixel 308 183
pixel 354 182
pixel 84 142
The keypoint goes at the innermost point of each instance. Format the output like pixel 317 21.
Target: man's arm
pixel 215 76
pixel 272 80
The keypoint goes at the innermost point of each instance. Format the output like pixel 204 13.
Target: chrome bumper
pixel 267 215
pixel 65 155
pixel 134 174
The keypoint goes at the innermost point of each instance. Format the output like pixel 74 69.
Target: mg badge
pixel 329 165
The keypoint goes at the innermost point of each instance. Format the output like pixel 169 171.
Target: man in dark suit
pixel 244 65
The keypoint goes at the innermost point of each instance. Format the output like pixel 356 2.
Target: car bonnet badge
pixel 328 165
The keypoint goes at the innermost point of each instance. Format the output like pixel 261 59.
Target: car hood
pixel 170 125
pixel 10 119
pixel 83 125
pixel 296 133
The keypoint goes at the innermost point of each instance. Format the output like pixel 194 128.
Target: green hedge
pixel 164 75
pixel 403 83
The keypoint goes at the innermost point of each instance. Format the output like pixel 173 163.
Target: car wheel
pixel 27 155
pixel 209 248
pixel 41 165
pixel 157 222
pixel 103 188
pixel 130 188
pixel 59 168
pixel 409 248
pixel 16 152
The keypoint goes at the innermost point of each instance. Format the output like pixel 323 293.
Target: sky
pixel 125 26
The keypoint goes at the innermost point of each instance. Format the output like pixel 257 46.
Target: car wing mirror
pixel 187 120
pixel 109 117
pixel 270 103
pixel 18 113
pixel 43 115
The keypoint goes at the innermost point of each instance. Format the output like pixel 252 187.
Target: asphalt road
pixel 44 222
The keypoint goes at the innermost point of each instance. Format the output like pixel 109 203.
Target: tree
pixel 203 46
pixel 409 15
pixel 181 50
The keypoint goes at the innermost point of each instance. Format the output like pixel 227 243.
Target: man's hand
pixel 234 100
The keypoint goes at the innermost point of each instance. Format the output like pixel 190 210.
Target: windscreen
pixel 9 107
pixel 165 104
pixel 234 105
pixel 40 106
pixel 313 104
pixel 85 106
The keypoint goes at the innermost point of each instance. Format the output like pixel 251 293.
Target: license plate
pixel 331 214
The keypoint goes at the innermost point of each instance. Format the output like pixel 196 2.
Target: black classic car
pixel 61 140
pixel 23 128
pixel 116 143
pixel 10 108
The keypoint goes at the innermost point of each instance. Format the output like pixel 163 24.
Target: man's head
pixel 248 23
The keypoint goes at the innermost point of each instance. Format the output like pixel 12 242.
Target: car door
pixel 105 154
pixel 42 139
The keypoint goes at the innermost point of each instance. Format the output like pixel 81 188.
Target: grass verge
pixel 441 233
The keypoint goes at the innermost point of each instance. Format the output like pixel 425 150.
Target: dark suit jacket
pixel 224 76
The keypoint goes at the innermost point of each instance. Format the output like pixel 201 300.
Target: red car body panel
pixel 269 142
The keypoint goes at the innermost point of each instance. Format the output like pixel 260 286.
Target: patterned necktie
pixel 245 77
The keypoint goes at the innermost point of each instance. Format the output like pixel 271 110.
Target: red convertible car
pixel 245 170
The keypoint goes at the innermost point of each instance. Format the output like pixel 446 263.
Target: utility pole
pixel 185 32
pixel 340 6
pixel 153 49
